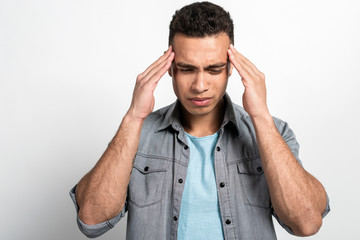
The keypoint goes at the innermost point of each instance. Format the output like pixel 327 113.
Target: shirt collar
pixel 229 116
pixel 172 116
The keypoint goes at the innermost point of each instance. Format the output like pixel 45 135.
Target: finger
pixel 160 71
pixel 242 69
pixel 153 71
pixel 246 71
pixel 237 54
pixel 244 60
pixel 165 68
pixel 157 76
pixel 159 60
pixel 150 71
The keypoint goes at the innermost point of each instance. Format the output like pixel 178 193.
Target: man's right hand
pixel 143 100
pixel 101 194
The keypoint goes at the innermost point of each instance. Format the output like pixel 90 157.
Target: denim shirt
pixel 159 174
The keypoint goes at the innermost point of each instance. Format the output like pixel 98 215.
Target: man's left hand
pixel 254 97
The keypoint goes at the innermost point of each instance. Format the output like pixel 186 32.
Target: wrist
pixel 129 125
pixel 132 123
pixel 132 117
pixel 264 119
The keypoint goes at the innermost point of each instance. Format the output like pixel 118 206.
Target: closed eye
pixel 215 71
pixel 186 69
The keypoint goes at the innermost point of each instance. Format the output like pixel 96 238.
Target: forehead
pixel 201 51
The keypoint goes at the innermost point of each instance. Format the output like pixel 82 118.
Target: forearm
pixel 101 193
pixel 297 197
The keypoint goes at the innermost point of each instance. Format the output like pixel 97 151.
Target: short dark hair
pixel 201 19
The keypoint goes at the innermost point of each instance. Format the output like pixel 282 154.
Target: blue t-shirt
pixel 199 212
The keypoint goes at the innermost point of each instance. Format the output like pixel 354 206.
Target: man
pixel 203 167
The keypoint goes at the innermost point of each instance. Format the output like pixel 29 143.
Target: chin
pixel 199 111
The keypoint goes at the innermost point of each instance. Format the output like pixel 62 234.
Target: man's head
pixel 200 35
pixel 201 19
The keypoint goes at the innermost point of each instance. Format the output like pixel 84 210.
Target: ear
pixel 170 70
pixel 229 68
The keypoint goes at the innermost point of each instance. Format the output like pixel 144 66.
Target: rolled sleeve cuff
pixel 93 231
pixel 327 210
pixel 288 229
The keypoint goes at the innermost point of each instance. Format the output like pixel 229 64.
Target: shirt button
pixel 180 180
pixel 222 184
pixel 259 169
pixel 218 148
pixel 186 147
pixel 228 221
pixel 146 169
pixel 175 218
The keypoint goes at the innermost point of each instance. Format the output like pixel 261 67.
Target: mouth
pixel 200 101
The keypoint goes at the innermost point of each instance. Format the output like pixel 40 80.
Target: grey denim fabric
pixel 155 192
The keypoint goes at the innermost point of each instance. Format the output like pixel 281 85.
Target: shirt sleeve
pixel 93 231
pixel 290 139
pixel 288 229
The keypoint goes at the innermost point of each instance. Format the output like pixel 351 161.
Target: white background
pixel 67 70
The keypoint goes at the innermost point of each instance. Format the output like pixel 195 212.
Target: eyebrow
pixel 212 66
pixel 185 65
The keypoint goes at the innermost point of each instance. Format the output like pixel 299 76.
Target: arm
pixel 297 197
pixel 101 193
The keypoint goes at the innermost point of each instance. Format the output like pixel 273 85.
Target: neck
pixel 203 125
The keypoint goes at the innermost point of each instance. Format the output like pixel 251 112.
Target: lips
pixel 200 101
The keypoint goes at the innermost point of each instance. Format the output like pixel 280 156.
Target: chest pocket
pixel 254 183
pixel 146 183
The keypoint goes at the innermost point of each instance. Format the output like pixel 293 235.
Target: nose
pixel 199 84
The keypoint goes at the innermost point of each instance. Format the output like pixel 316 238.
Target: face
pixel 200 73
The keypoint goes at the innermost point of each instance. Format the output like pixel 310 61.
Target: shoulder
pixel 155 122
pixel 155 119
pixel 243 119
pixel 240 113
pixel 157 135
